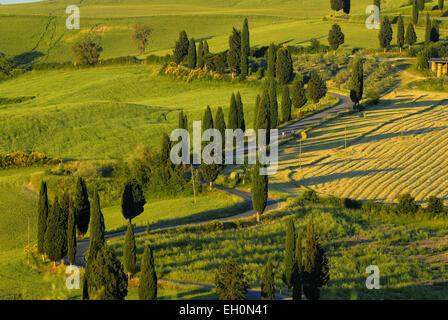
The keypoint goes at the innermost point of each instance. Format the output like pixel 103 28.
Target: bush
pixel 352 204
pixel 215 225
pixel 23 159
pixel 310 195
pixel 371 207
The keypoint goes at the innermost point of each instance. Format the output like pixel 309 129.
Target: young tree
pixel 428 30
pixel 357 83
pixel 210 172
pixel 298 271
pixel 81 205
pixel 268 282
pixel 400 33
pixel 317 88
pixel 283 66
pixel 86 52
pixel 147 289
pixel 42 217
pixel 259 191
pixel 230 281
pixel 385 35
pixel 273 102
pixel 286 104
pixel 105 276
pixel 435 206
pixel 240 108
pixel 129 251
pixel 234 53
pixel 346 6
pixel 421 5
pixel 56 233
pixel 192 54
pixel 335 37
pixel 435 33
pixel 414 12
pixel 233 114
pixel 288 271
pixel 406 204
pixel 133 200
pixel 141 34
pixel 181 48
pixel 298 94
pixel 411 36
pixel 245 49
pixel 97 227
pixel 315 269
pixel 71 238
pixel 336 5
pixel 272 55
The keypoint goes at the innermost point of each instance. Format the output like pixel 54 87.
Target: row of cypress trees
pixel 409 37
pixel 280 64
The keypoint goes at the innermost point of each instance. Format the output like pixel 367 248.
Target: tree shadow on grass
pixel 27 57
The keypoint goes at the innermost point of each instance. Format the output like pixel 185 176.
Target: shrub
pixel 23 159
pixel 310 195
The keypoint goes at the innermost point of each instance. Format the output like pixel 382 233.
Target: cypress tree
pixel 273 104
pixel 220 124
pixel 245 49
pixel 400 33
pixel 207 120
pixel 231 281
pixel 42 215
pixel 97 227
pixel 183 121
pixel 357 83
pixel 210 172
pixel 288 271
pixel 233 114
pixel 147 289
pixel 428 30
pixel 129 251
pixel 385 34
pixel 414 12
pixel 335 37
pixel 181 48
pixel 56 233
pixel 315 269
pixel 435 34
pixel 257 108
pixel 71 238
pixel 192 54
pixel 346 6
pixel 411 36
pixel 298 94
pixel 165 151
pixel 283 66
pixel 259 191
pixel 298 270
pixel 133 200
pixel 106 279
pixel 336 5
pixel 441 4
pixel 81 206
pixel 263 116
pixel 272 54
pixel 206 48
pixel 421 5
pixel 268 282
pixel 240 108
pixel 201 55
pixel 317 88
pixel 286 104
pixel 234 53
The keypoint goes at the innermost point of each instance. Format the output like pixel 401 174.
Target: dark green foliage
pixel 346 6
pixel 357 83
pixel 192 56
pixel 141 34
pixel 441 4
pixel 129 251
pixel 414 12
pixel 183 121
pixel 56 233
pixel 259 191
pixel 230 281
pixel 298 271
pixel 42 216
pixel 233 114
pixel 421 5
pixel 97 227
pixel 234 53
pixel 201 55
pixel 335 37
pixel 428 30
pixel 268 282
pixel 216 62
pixel 133 200
pixel 298 94
pixel 400 32
pixel 220 123
pixel 210 172
pixel 290 248
pixel 283 66
pixel 165 151
pixel 272 55
pixel 317 88
pixel 207 120
pixel 86 52
pixel 263 115
pixel 240 108
pixel 406 204
pixel 411 36
pixel 71 238
pixel 385 34
pixel 315 268
pixel 435 206
pixel 81 205
pixel 427 53
pixel 336 5
pixel 310 195
pixel 106 279
pixel 181 48
pixel 273 103
pixel 434 35
pixel 245 49
pixel 257 107
pixel 147 289
pixel 286 104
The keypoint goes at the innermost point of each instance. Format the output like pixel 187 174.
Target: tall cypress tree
pixel 357 83
pixel 201 55
pixel 71 238
pixel 147 289
pixel 165 151
pixel 272 54
pixel 234 53
pixel 435 34
pixel 207 119
pixel 385 34
pixel 268 282
pixel 96 227
pixel 290 242
pixel 129 251
pixel 42 216
pixel 273 104
pixel 298 94
pixel 411 36
pixel 400 33
pixel 183 120
pixel 257 108
pixel 133 200
pixel 233 114
pixel 421 5
pixel 192 57
pixel 220 124
pixel 315 268
pixel 298 270
pixel 414 12
pixel 81 206
pixel 240 108
pixel 346 6
pixel 428 30
pixel 286 104
pixel 283 66
pixel 245 49
pixel 181 48
pixel 56 233
pixel 259 191
pixel 263 116
pixel 441 4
